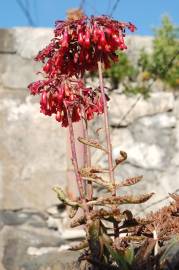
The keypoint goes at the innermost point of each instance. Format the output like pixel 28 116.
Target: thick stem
pixel 107 129
pixel 87 158
pixel 75 164
pixel 108 140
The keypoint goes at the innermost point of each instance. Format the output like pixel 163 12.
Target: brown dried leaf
pixel 92 143
pixel 94 170
pixel 110 215
pixel 81 245
pixel 175 197
pixel 123 156
pixel 86 175
pixel 78 221
pixel 130 181
pixel 122 200
pixel 73 211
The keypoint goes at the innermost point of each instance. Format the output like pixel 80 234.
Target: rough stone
pixel 176 108
pixel 6 41
pixel 29 41
pixel 137 43
pixel 30 158
pixel 144 155
pixel 34 250
pixel 176 135
pixel 18 72
pixel 125 110
pixel 159 121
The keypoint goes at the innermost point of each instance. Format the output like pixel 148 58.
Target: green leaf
pixel 171 254
pixel 129 255
pixel 119 258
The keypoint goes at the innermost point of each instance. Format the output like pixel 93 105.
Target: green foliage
pixel 120 70
pixel 122 259
pixel 134 90
pixel 163 63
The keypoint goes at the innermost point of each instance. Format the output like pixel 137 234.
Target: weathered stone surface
pixel 32 153
pixel 19 217
pixel 7 41
pixel 176 136
pixel 135 44
pixel 176 108
pixel 18 72
pixel 125 110
pixel 159 121
pixel 34 250
pixel 29 41
pixel 26 242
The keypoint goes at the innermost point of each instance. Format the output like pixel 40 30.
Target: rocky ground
pixel 35 240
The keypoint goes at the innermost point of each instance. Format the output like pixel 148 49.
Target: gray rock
pixel 19 217
pixel 159 121
pixel 30 250
pixel 19 73
pixel 7 41
pixel 125 110
pixel 135 44
pixel 176 108
pixel 176 135
pixel 32 153
pixel 29 41
pixel 148 156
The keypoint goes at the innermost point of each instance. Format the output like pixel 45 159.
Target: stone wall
pixel 33 147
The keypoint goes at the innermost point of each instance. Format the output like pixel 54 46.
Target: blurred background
pixel 144 113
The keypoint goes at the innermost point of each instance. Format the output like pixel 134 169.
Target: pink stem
pixel 75 164
pixel 108 140
pixel 107 131
pixel 87 155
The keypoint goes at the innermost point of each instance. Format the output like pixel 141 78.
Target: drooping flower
pixel 58 95
pixel 79 44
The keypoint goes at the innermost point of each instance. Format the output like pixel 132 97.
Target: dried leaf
pixel 94 170
pixel 72 212
pixel 121 200
pixel 62 196
pixel 175 197
pixel 123 156
pixel 130 181
pixel 81 245
pixel 92 143
pixel 88 176
pixel 78 221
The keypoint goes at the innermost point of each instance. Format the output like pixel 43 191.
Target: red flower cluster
pixel 79 44
pixel 58 95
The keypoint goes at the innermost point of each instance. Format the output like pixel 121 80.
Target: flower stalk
pixel 107 128
pixel 75 163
